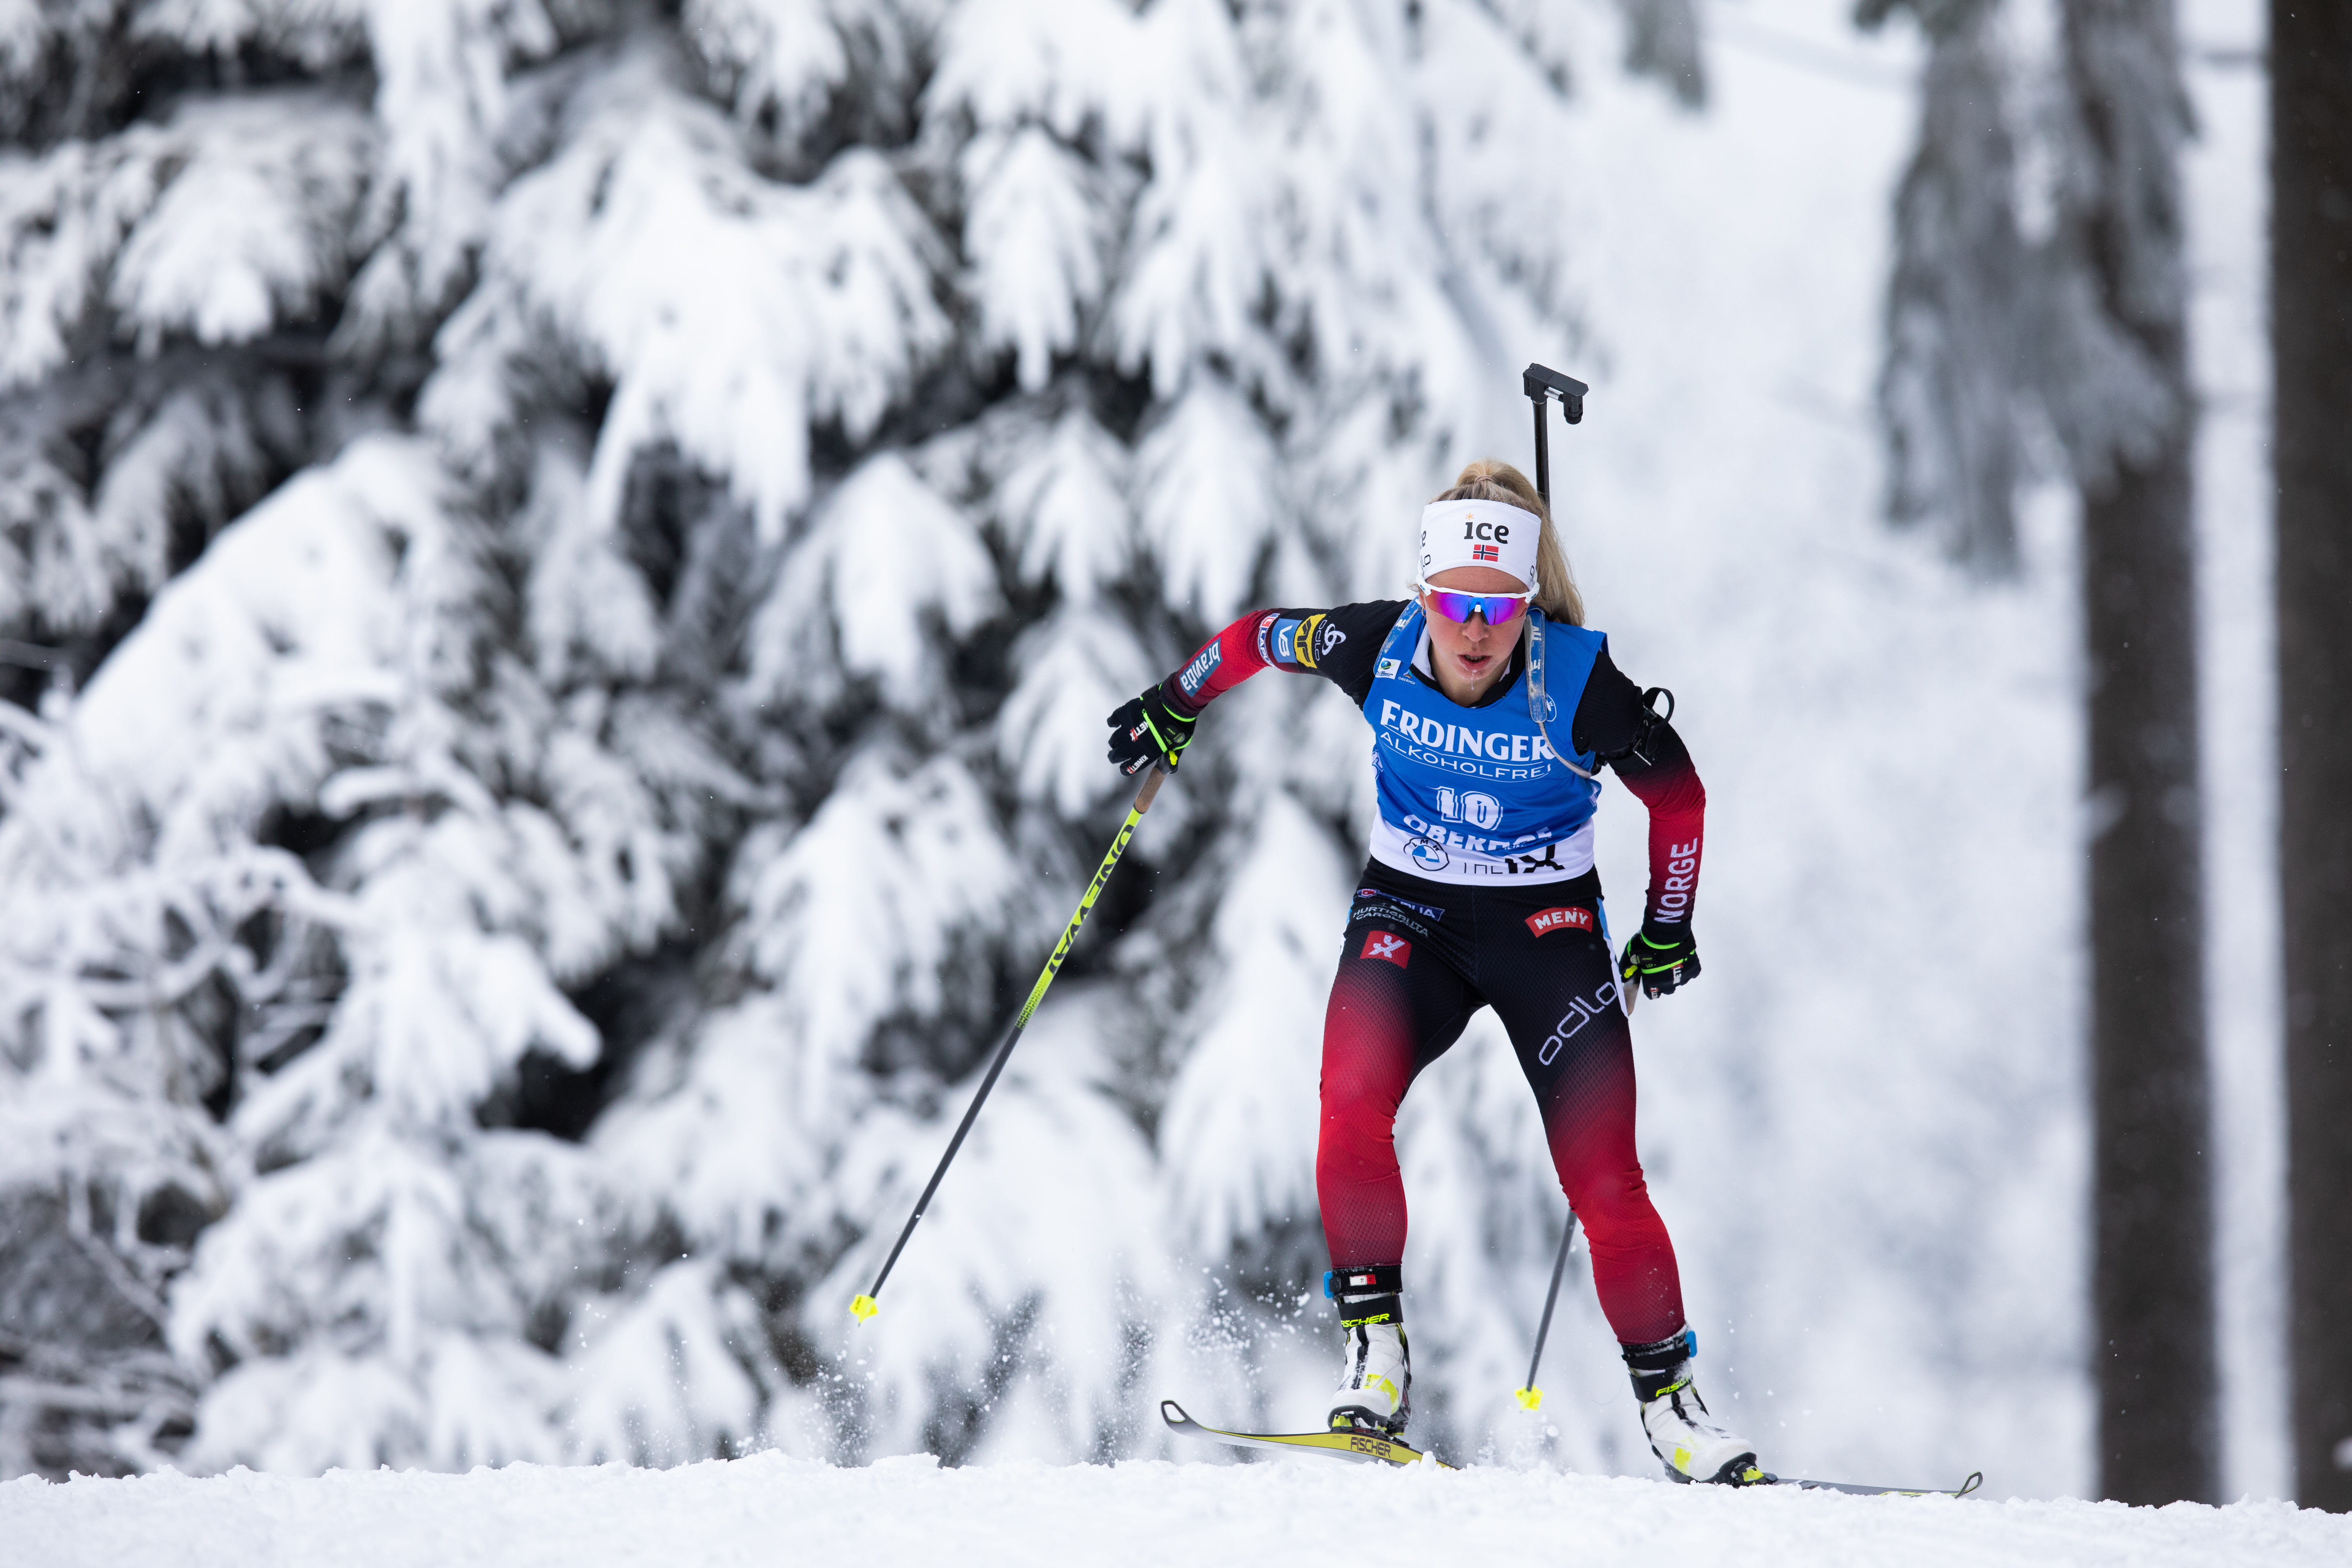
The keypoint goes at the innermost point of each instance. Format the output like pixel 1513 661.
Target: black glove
pixel 1146 731
pixel 1661 957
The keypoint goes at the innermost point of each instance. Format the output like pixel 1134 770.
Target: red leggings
pixel 1421 958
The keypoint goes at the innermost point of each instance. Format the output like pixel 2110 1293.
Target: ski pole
pixel 865 1307
pixel 1531 1396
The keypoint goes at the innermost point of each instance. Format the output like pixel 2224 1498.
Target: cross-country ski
pixel 1355 1447
pixel 1369 1447
pixel 1967 1487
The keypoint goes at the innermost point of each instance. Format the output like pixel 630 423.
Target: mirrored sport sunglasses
pixel 1499 608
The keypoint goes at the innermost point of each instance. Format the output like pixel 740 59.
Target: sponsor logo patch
pixel 1528 865
pixel 1434 735
pixel 1199 670
pixel 1387 669
pixel 1330 637
pixel 1570 917
pixel 1388 945
pixel 1386 903
pixel 1580 1013
pixel 1284 642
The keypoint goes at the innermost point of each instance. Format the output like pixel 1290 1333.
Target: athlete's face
pixel 1470 655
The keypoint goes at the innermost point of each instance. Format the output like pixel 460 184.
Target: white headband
pixel 1479 533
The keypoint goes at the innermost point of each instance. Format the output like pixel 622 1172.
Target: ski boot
pixel 1375 1366
pixel 1675 1419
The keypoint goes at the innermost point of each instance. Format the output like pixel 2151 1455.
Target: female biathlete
pixel 1481 891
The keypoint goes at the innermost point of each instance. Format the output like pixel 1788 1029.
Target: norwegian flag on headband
pixel 1479 533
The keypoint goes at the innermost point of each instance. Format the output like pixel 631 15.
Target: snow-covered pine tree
pixel 551 869
pixel 166 262
pixel 1960 305
pixel 193 262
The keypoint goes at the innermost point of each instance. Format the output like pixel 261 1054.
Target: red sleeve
pixel 1223 662
pixel 1677 803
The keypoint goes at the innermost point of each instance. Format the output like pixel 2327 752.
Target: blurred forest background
pixel 561 564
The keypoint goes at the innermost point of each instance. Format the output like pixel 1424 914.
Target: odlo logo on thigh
pixel 1580 1013
pixel 1388 945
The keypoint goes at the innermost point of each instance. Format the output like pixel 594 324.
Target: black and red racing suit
pixel 1419 957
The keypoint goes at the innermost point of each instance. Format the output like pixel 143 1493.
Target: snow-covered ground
pixel 773 1510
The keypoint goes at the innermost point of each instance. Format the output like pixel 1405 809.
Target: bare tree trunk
pixel 2094 325
pixel 2311 305
pixel 2152 1269
pixel 2152 1272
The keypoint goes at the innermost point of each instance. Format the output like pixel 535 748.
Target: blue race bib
pixel 1467 794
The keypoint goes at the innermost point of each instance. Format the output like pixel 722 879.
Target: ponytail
pixel 1491 478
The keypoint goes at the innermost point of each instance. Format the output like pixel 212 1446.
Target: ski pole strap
pixel 865 1307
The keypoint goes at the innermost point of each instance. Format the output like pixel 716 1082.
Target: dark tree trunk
pixel 2152 1284
pixel 2311 305
pixel 2152 1269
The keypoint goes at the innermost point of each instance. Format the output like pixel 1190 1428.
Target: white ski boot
pixel 1375 1392
pixel 1686 1440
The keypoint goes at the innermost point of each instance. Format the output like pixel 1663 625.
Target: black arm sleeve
pixel 1611 722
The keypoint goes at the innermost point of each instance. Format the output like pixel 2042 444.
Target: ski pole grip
pixel 1143 796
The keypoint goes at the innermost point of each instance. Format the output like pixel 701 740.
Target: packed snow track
pixel 772 1511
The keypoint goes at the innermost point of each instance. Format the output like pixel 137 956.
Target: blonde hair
pixel 1491 478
